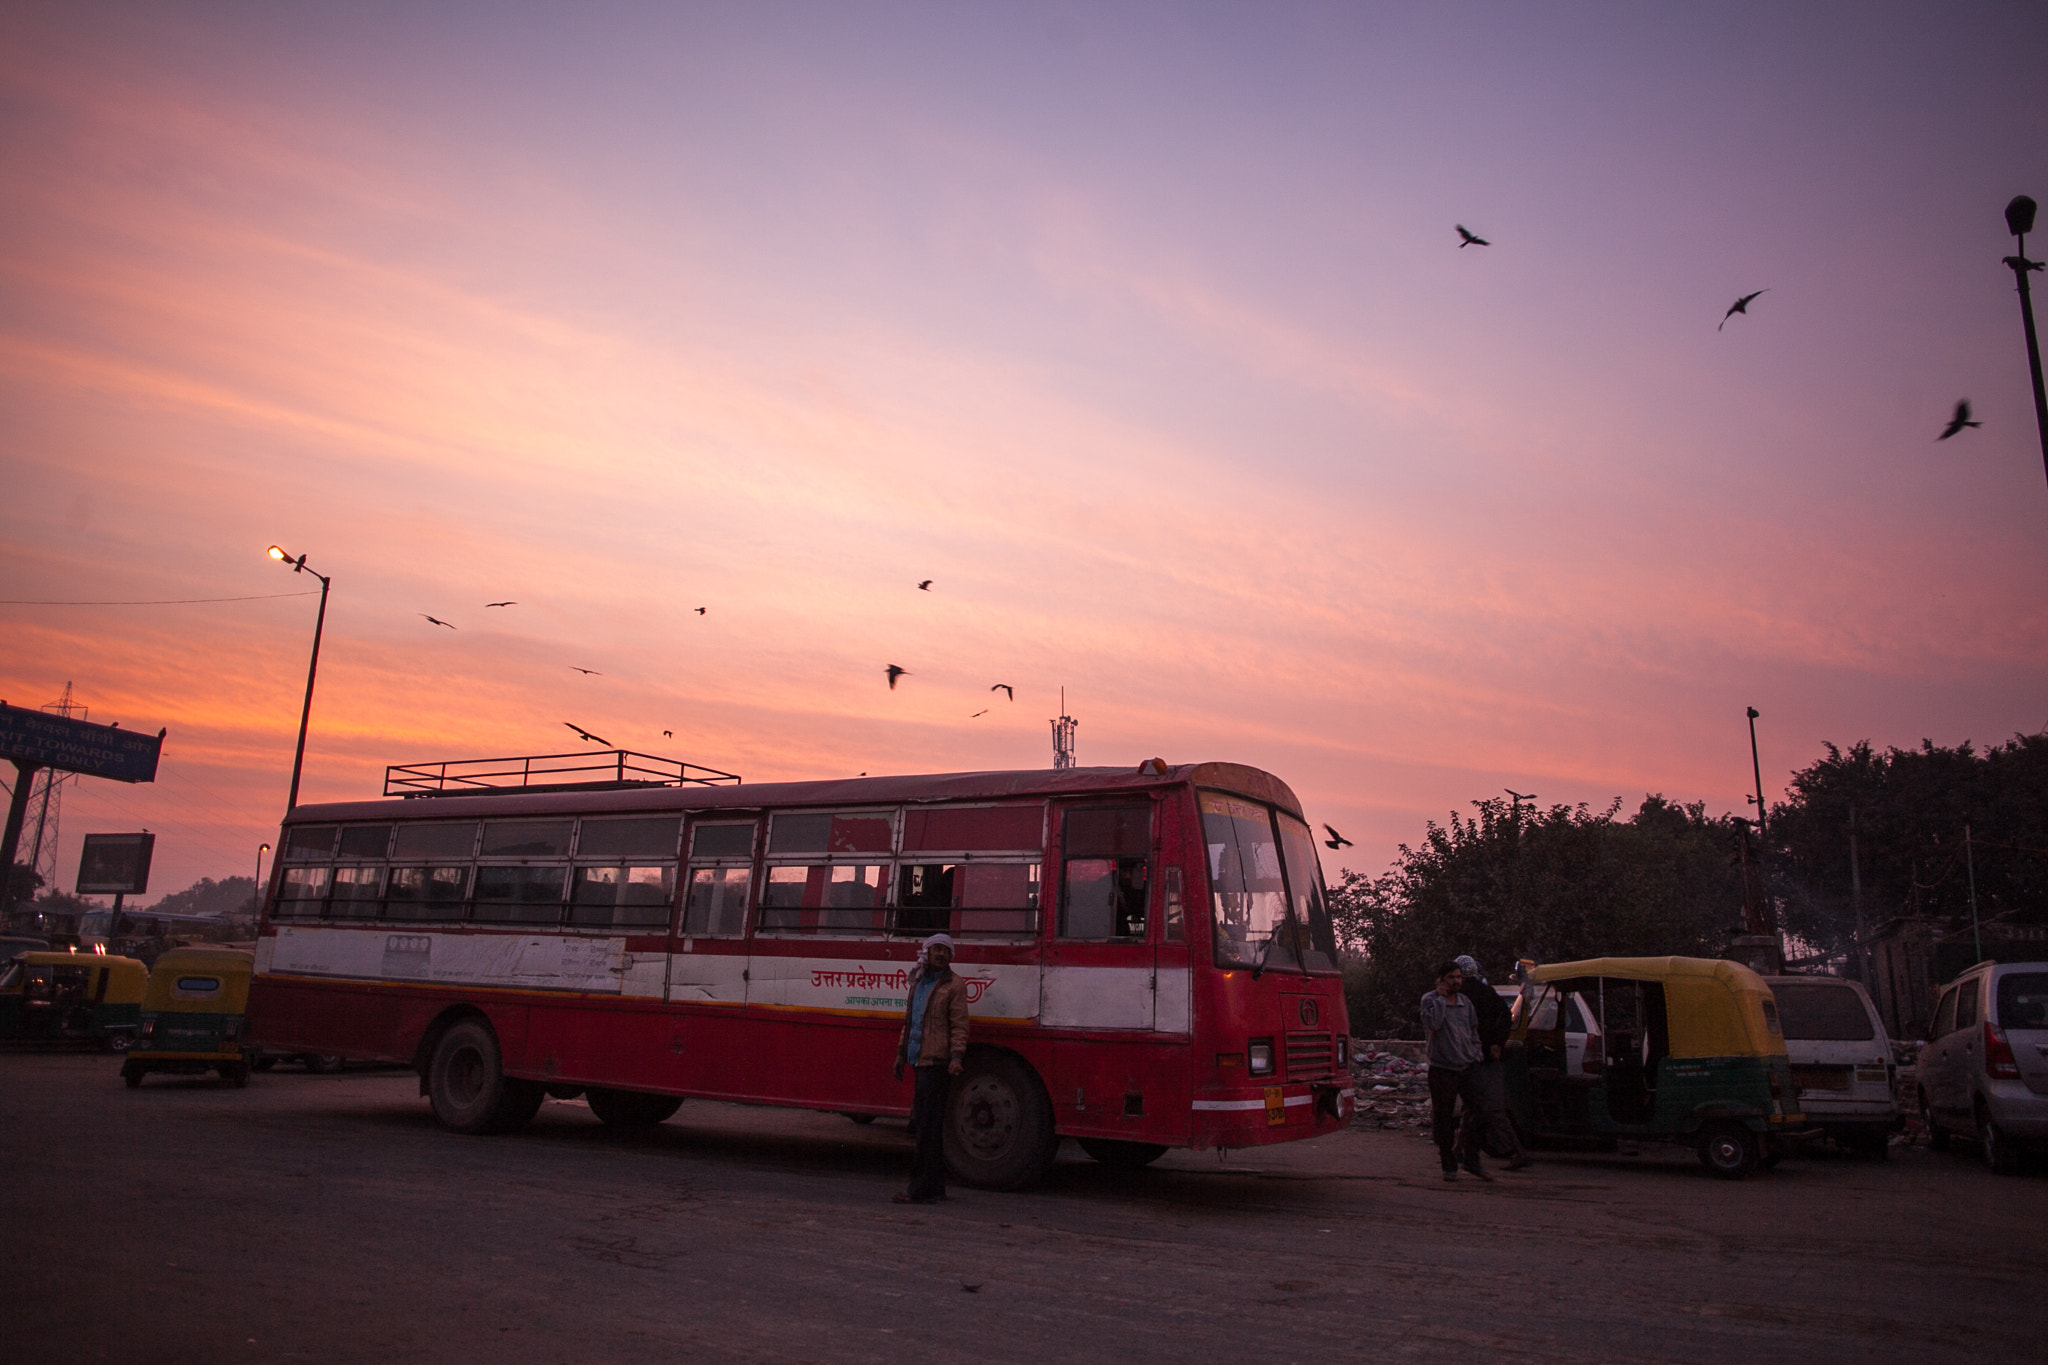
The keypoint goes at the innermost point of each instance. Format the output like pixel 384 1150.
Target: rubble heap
pixel 1392 1089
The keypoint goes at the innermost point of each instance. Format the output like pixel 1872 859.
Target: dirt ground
pixel 326 1218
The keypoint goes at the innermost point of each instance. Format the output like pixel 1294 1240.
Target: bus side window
pixel 1107 865
pixel 721 864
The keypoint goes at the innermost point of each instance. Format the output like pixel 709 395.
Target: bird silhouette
pixel 668 734
pixel 982 712
pixel 1469 239
pixel 1959 421
pixel 925 586
pixel 895 673
pixel 501 604
pixel 437 621
pixel 1741 306
pixel 595 739
pixel 591 671
pixel 701 611
pixel 1336 840
pixel 1006 690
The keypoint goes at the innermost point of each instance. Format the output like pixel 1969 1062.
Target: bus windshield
pixel 1251 871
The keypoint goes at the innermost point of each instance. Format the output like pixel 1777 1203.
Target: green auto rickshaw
pixel 1680 1049
pixel 72 996
pixel 192 1016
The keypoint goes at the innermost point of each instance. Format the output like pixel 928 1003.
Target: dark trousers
pixel 928 1126
pixel 1447 1085
pixel 1487 1127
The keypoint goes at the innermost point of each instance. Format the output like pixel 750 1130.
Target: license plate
pixel 1276 1107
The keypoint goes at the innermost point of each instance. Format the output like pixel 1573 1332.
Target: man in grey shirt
pixel 1452 1026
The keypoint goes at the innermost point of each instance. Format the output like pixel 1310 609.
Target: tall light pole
pixel 319 623
pixel 1757 769
pixel 256 896
pixel 2019 220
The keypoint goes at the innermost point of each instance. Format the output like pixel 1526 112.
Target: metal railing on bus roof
pixel 601 771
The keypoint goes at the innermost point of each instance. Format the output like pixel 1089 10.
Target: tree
pixel 230 896
pixel 1555 885
pixel 1911 808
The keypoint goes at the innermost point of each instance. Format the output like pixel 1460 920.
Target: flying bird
pixel 591 671
pixel 925 586
pixel 1959 421
pixel 1335 840
pixel 501 604
pixel 1741 306
pixel 668 734
pixel 585 734
pixel 982 712
pixel 895 673
pixel 1469 239
pixel 700 611
pixel 1006 690
pixel 437 621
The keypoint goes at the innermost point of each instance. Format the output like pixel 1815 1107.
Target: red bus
pixel 1147 951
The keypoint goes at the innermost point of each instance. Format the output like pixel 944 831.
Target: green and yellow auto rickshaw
pixel 1689 1050
pixel 192 1016
pixel 72 996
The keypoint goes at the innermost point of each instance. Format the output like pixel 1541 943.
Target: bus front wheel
pixel 999 1133
pixel 468 1087
pixel 1121 1155
pixel 630 1108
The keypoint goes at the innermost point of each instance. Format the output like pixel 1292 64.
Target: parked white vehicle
pixel 1584 1053
pixel 1984 1071
pixel 1841 1060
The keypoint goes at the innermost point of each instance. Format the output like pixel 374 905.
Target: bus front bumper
pixel 1253 1116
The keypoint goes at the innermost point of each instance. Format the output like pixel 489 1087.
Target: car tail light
pixel 1999 1063
pixel 234 1027
pixel 149 1028
pixel 1596 1055
pixel 1260 1051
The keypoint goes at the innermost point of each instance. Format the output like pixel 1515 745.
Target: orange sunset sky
pixel 1143 332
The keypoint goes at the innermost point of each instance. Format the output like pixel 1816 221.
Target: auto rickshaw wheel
pixel 1729 1150
pixel 235 1074
pixel 132 1074
pixel 264 1063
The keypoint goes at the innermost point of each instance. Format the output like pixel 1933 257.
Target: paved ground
pixel 325 1218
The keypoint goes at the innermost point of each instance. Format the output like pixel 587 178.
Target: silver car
pixel 1984 1071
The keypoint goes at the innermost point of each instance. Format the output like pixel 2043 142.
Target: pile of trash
pixel 1392 1090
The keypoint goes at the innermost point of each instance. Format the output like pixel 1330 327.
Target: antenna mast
pixel 48 796
pixel 1063 736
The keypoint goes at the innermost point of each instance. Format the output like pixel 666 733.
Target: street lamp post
pixel 2019 219
pixel 313 668
pixel 256 896
pixel 1757 770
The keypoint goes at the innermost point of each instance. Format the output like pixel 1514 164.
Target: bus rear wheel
pixel 467 1084
pixel 630 1108
pixel 1120 1155
pixel 999 1133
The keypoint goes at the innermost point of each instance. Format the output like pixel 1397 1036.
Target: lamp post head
pixel 2019 216
pixel 263 848
pixel 277 552
pixel 1754 714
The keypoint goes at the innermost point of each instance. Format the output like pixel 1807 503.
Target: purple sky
pixel 1143 333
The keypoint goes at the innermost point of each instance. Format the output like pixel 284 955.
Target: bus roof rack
pixel 605 770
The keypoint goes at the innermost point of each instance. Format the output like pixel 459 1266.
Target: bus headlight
pixel 1260 1055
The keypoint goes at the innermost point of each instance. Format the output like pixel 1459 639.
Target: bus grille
pixel 1311 1056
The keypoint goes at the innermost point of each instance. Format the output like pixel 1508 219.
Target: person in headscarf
pixel 933 1044
pixel 1486 1125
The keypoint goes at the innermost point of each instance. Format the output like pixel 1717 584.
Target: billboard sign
pixel 115 862
pixel 78 746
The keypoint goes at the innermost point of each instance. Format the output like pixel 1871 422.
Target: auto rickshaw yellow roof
pixel 1713 1007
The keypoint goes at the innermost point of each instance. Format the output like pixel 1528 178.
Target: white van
pixel 1841 1060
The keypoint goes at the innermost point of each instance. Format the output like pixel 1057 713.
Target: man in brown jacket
pixel 933 1041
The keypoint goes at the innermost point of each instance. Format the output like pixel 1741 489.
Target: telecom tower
pixel 1063 736
pixel 46 799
